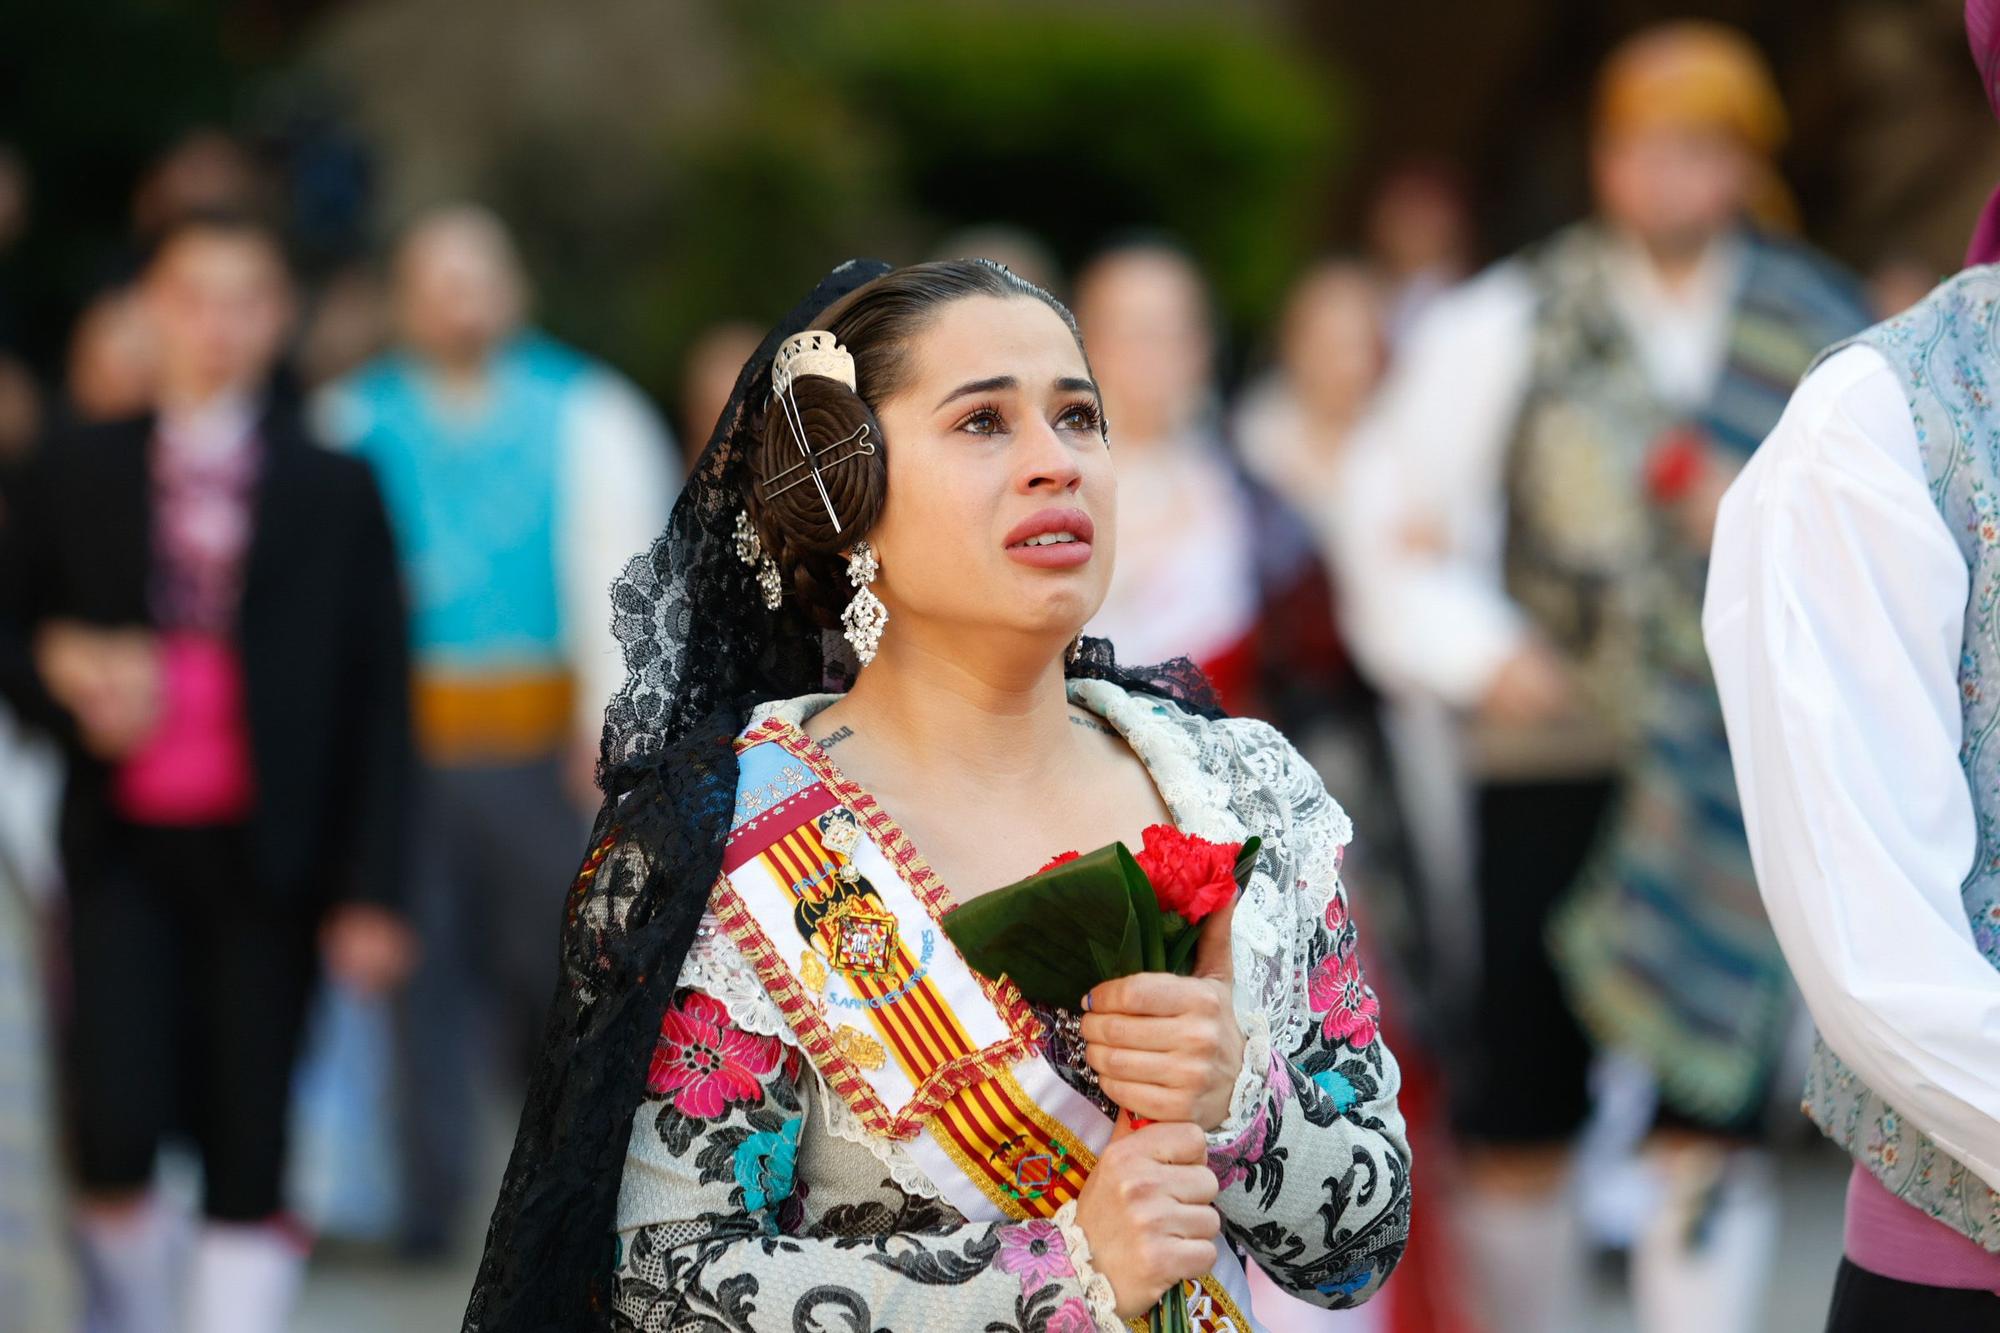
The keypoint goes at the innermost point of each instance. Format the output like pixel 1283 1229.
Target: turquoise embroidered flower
pixel 764 1165
pixel 1336 1085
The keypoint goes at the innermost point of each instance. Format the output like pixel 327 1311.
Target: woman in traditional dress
pixel 773 1094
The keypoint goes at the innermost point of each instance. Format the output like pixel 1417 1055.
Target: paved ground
pixel 348 1294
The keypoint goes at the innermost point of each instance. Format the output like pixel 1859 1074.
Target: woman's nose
pixel 1048 462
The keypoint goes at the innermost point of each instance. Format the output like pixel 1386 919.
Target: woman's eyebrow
pixel 1076 384
pixel 993 385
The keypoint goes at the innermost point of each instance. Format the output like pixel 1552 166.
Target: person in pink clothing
pixel 203 608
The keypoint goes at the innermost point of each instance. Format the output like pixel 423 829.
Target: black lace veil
pixel 701 650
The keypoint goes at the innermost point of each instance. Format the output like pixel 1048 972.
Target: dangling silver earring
pixel 865 615
pixel 1070 653
pixel 750 550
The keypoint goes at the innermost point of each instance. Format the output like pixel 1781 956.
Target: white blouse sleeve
pixel 1834 621
pixel 1430 616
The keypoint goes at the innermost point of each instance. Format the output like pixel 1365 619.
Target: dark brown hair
pixel 877 324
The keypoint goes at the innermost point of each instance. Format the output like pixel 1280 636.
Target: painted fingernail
pixel 1086 1001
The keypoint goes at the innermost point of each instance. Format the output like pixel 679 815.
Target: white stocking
pixel 1704 1260
pixel 129 1260
pixel 1524 1257
pixel 246 1278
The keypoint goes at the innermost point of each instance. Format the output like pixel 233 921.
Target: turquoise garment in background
pixel 473 497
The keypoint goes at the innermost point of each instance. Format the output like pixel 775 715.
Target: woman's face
pixel 1002 504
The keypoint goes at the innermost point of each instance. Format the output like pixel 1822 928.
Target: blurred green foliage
pixel 877 129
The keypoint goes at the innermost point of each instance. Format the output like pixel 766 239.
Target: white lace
pixel 1097 1290
pixel 1224 781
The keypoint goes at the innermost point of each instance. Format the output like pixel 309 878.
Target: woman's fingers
pixel 1137 1031
pixel 1149 1100
pixel 1161 1068
pixel 1172 1144
pixel 1158 994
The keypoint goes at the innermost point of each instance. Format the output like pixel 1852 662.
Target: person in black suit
pixel 204 607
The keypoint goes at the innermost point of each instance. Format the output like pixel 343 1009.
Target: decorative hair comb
pixel 814 352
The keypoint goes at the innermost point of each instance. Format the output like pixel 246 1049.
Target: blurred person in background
pixel 20 394
pixel 205 171
pixel 1419 235
pixel 1850 617
pixel 345 326
pixel 1898 281
pixel 204 609
pixel 1013 248
pixel 1211 566
pixel 521 476
pixel 1291 427
pixel 113 359
pixel 708 375
pixel 34 1268
pixel 1527 524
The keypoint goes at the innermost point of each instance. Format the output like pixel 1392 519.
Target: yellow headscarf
pixel 1702 76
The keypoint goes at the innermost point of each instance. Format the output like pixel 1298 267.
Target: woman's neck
pixel 988 718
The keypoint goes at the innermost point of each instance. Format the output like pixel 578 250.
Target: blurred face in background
pixel 708 379
pixel 1418 222
pixel 997 423
pixel 1331 346
pixel 219 302
pixel 1145 318
pixel 459 289
pixel 113 358
pixel 1673 187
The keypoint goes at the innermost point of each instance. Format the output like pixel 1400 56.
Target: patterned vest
pixel 1589 555
pixel 1946 351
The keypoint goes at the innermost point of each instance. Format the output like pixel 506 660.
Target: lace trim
pixel 1097 1292
pixel 842 1123
pixel 717 968
pixel 1227 780
pixel 1252 1090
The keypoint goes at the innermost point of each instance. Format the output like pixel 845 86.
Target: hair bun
pixel 787 506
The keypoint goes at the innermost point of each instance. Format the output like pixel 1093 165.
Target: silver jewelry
pixel 865 615
pixel 750 550
pixel 1070 1046
pixel 1075 647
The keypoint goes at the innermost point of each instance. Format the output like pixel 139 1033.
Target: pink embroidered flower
pixel 1232 1163
pixel 1033 1251
pixel 1335 989
pixel 1072 1316
pixel 706 1064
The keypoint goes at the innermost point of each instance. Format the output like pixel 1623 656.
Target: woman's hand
pixel 1146 1211
pixel 1167 1047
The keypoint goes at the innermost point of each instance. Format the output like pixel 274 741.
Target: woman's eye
pixel 1082 416
pixel 984 422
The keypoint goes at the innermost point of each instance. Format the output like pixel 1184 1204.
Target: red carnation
pixel 1061 858
pixel 1673 465
pixel 1191 876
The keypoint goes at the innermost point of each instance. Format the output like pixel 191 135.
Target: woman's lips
pixel 1073 524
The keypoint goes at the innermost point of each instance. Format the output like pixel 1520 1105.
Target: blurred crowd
pixel 304 640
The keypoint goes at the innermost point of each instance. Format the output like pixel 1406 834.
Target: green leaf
pixel 1246 860
pixel 1053 933
pixel 1180 950
pixel 1146 907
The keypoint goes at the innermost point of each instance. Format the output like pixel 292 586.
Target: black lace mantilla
pixel 701 650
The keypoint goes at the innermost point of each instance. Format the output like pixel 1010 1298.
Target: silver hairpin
pixel 813 352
